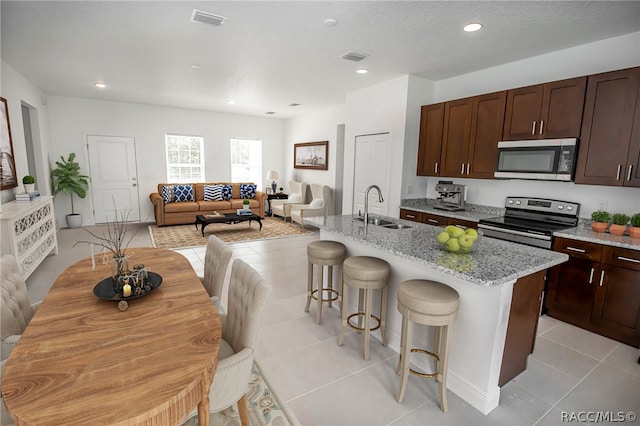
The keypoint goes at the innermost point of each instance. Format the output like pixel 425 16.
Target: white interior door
pixel 114 180
pixel 371 168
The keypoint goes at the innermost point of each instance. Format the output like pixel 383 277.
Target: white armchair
pixel 248 293
pixel 216 261
pixel 297 195
pixel 320 205
pixel 15 309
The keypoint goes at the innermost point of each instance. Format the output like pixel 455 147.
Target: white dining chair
pixel 15 310
pixel 216 262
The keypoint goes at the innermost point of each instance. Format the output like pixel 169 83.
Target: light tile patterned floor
pixel 571 370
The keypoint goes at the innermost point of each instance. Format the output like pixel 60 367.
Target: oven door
pixel 513 235
pixel 547 159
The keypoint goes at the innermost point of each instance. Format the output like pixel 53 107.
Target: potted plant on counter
pixel 634 229
pixel 29 183
pixel 619 224
pixel 66 177
pixel 600 220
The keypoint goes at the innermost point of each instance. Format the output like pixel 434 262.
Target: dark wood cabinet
pixel 545 111
pixel 435 219
pixel 430 139
pixel 609 151
pixel 598 289
pixel 472 129
pixel 410 215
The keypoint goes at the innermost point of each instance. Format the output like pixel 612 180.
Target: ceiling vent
pixel 353 56
pixel 206 18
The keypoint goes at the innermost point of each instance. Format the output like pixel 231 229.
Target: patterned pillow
pixel 227 192
pixel 247 190
pixel 184 193
pixel 213 192
pixel 168 194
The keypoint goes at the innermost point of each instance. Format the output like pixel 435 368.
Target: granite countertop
pixel 584 233
pixel 473 212
pixel 492 263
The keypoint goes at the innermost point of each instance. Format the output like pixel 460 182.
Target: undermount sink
pixel 375 221
pixel 397 226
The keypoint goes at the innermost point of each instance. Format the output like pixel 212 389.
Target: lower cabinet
pixel 598 289
pixel 435 219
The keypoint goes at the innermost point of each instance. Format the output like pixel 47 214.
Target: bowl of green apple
pixel 458 240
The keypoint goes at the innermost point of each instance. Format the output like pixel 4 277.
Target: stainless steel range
pixel 531 221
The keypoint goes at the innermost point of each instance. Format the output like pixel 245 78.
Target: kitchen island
pixel 500 286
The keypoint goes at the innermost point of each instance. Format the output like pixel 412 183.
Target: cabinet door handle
pixel 533 129
pixel 541 126
pixel 629 172
pixel 433 221
pixel 618 173
pixel 462 169
pixel 435 169
pixel 628 259
pixel 601 278
pixel 410 216
pixel 579 250
pixel 469 167
pixel 591 276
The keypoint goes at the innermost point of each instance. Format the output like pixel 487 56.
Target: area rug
pixel 264 407
pixel 184 236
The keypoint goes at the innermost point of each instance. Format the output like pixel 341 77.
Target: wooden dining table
pixel 83 361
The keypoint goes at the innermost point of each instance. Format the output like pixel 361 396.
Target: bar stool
pixel 428 303
pixel 324 253
pixel 366 274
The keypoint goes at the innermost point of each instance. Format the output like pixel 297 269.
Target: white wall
pixel 72 119
pixel 606 55
pixel 314 127
pixel 18 90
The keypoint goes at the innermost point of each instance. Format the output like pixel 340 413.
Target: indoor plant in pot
pixel 600 220
pixel 66 177
pixel 618 224
pixel 634 229
pixel 29 183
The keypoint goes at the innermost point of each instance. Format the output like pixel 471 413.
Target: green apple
pixel 471 233
pixel 451 229
pixel 443 237
pixel 456 232
pixel 466 241
pixel 452 245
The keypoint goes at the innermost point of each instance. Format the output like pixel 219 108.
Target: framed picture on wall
pixel 311 155
pixel 8 178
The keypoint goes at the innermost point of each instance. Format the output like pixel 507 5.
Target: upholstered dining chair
pixel 297 195
pixel 248 293
pixel 216 261
pixel 15 310
pixel 320 204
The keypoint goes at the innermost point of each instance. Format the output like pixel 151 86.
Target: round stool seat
pixel 366 272
pixel 428 297
pixel 326 250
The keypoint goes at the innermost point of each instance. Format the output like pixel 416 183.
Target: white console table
pixel 29 232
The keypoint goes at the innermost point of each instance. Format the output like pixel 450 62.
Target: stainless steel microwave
pixel 542 159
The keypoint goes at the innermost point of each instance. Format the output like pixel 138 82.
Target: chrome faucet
pixel 366 204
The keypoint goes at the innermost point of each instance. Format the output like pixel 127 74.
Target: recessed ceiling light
pixel 330 22
pixel 269 112
pixel 294 104
pixel 200 16
pixel 231 102
pixel 101 85
pixel 472 27
pixel 362 71
pixel 195 66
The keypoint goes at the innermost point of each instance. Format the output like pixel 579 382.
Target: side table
pixel 278 196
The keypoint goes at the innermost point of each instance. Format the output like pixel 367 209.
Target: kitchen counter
pixel 492 263
pixel 500 286
pixel 586 234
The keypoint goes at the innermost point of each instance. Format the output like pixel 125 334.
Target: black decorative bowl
pixel 105 288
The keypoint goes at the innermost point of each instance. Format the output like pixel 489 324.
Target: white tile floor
pixel 571 370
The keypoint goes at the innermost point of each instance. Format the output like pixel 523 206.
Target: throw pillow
pixel 247 190
pixel 227 192
pixel 213 192
pixel 184 193
pixel 294 198
pixel 316 203
pixel 168 194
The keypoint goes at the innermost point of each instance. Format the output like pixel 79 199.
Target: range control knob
pixel 560 207
pixel 518 202
pixel 510 201
pixel 569 208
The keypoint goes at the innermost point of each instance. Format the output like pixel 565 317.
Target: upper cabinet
pixel 472 129
pixel 609 152
pixel 430 139
pixel 545 111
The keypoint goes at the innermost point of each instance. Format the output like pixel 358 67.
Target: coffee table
pixel 228 218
